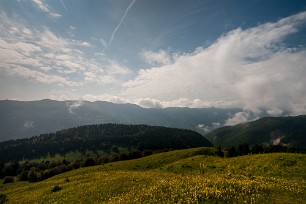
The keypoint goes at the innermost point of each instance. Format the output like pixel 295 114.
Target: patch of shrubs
pixel 89 162
pixel 3 198
pixel 34 171
pixel 8 179
pixel 56 188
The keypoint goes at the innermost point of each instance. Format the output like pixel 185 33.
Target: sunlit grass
pixel 175 177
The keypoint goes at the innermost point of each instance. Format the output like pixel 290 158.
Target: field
pixel 184 176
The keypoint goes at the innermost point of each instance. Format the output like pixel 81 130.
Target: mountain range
pixel 23 119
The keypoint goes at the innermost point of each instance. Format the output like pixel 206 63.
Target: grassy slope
pixel 174 177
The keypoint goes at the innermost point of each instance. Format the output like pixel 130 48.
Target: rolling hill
pixel 22 119
pixel 102 137
pixel 288 131
pixel 182 176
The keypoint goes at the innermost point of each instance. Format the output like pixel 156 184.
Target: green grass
pixel 184 176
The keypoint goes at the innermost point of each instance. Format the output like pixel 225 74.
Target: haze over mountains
pixel 24 119
pixel 20 119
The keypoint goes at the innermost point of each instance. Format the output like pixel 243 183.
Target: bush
pixel 76 164
pixel 232 152
pixel 8 179
pixel 48 173
pixel 89 162
pixel 204 151
pixel 147 152
pixel 34 175
pixel 220 152
pixel 56 188
pixel 104 160
pixel 114 157
pixel 134 154
pixel 3 198
pixel 123 156
pixel 23 176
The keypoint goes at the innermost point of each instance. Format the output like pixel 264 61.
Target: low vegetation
pixel 182 176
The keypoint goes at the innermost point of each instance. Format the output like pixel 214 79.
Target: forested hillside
pixel 285 131
pixel 104 137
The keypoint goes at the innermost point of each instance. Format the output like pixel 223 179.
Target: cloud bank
pixel 249 68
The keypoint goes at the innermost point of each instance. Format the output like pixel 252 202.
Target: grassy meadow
pixel 183 176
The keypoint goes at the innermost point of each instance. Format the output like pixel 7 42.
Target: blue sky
pixel 156 53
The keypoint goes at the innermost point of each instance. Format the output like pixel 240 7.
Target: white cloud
pixel 50 40
pixel 54 15
pixel 27 31
pixel 28 124
pixel 275 112
pixel 203 128
pixel 43 6
pixel 240 117
pixel 105 97
pixel 149 103
pixel 45 57
pixel 72 105
pixel 114 68
pixel 156 58
pixel 216 125
pixel 250 68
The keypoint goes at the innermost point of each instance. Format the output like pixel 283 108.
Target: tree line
pixel 38 171
pixel 245 149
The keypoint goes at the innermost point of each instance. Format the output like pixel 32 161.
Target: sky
pixel 156 53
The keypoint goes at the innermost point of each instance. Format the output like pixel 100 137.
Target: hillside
pixel 183 176
pixel 289 131
pixel 22 119
pixel 100 138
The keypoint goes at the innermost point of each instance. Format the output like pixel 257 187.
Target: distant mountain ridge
pixel 287 131
pixel 23 119
pixel 100 138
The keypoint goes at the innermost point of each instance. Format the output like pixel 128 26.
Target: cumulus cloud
pixel 248 68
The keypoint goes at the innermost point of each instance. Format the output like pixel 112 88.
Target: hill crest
pixel 287 131
pixel 101 137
